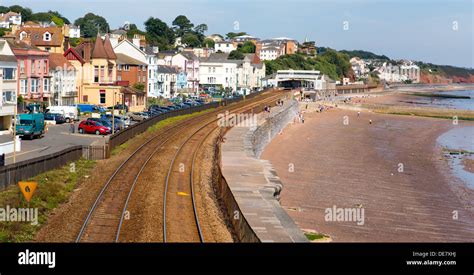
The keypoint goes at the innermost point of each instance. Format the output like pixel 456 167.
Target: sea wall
pixel 252 184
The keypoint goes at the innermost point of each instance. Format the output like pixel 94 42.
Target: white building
pixel 224 46
pixel 74 31
pixel 359 67
pixel 8 86
pixel 188 62
pixel 167 77
pixel 152 62
pixel 9 18
pixel 219 72
pixel 270 52
pixel 63 80
pixel 407 71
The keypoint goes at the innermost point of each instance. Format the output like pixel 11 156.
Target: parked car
pixel 117 121
pixel 138 116
pixel 106 122
pixel 93 127
pixel 69 112
pixel 119 107
pixel 58 118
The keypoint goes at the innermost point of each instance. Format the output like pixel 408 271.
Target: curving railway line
pixel 105 218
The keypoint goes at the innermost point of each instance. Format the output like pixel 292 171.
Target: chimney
pixel 136 41
pixel 87 50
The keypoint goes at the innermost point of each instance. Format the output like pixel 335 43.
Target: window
pixel 9 97
pixel 23 86
pixel 22 35
pixel 102 73
pixel 119 77
pixel 33 66
pixel 126 68
pixel 96 74
pixel 210 69
pixel 85 98
pixel 213 69
pixel 45 67
pixel 119 67
pixel 9 74
pixel 46 85
pixel 102 96
pixel 47 36
pixel 34 85
pixel 22 66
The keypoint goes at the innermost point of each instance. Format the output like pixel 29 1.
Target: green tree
pixel 191 40
pixel 92 23
pixel 182 25
pixel 208 43
pixel 201 29
pixel 236 55
pixel 247 47
pixel 57 20
pixel 57 14
pixel 159 33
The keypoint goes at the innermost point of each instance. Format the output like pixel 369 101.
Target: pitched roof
pixel 99 50
pixel 6 16
pixel 36 35
pixel 167 70
pixel 189 55
pixel 58 60
pixel 109 50
pixel 8 58
pixel 125 59
pixel 131 90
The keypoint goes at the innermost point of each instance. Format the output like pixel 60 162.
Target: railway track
pixel 105 218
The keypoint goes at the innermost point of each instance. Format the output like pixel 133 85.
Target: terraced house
pixel 8 86
pixel 33 72
pixel 96 66
pixel 50 38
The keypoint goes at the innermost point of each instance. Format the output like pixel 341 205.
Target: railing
pixel 13 173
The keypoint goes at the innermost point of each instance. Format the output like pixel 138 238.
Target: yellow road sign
pixel 27 188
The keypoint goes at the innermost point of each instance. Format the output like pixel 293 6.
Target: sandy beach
pixel 392 168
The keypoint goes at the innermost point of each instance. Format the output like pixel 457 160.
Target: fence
pixel 13 173
pixel 136 129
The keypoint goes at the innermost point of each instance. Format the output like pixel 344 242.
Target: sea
pixel 451 103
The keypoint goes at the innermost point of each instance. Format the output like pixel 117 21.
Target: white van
pixel 69 112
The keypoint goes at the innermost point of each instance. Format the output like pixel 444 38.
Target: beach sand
pixel 357 166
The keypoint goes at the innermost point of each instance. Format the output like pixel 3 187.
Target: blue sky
pixel 416 29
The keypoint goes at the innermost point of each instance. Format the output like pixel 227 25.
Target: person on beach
pixel 358 114
pixel 370 121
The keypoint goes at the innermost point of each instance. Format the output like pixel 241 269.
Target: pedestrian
pixel 358 114
pixel 370 121
pixel 71 127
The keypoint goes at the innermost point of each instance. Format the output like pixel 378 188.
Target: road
pixel 56 139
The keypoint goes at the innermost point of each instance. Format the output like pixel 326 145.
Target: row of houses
pixel 402 71
pixel 113 69
pixel 267 49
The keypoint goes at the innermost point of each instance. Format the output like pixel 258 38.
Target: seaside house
pixel 8 86
pixel 167 77
pixel 47 38
pixel 33 72
pixel 224 46
pixel 97 74
pixel 63 80
pixel 188 62
pixel 9 18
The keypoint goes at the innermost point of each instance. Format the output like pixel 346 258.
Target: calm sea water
pixel 451 103
pixel 459 139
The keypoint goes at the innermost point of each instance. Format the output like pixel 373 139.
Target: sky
pixel 436 31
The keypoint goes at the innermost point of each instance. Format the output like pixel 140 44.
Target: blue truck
pixel 90 108
pixel 30 125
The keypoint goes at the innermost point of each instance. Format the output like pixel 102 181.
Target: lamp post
pixel 14 129
pixel 113 114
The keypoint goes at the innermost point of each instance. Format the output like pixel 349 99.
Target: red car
pixel 93 127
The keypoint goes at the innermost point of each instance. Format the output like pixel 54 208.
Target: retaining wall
pixel 253 184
